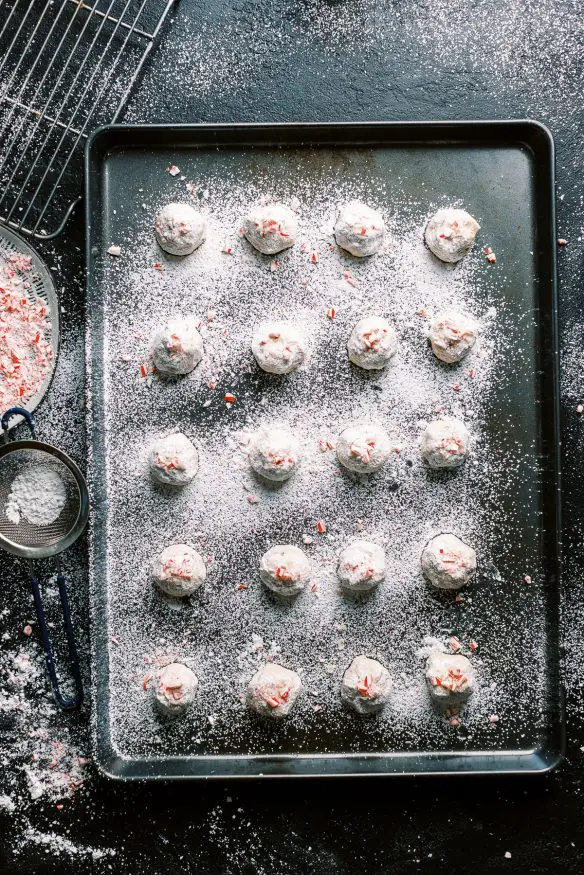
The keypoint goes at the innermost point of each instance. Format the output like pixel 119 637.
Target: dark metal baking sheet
pixel 421 146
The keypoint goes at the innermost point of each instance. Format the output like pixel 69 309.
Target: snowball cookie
pixel 450 234
pixel 363 447
pixel 285 569
pixel 445 443
pixel 450 677
pixel 278 347
pixel 179 229
pixel 173 460
pixel 273 690
pixel 361 566
pixel 177 347
pixel 274 453
pixel 372 344
pixel 366 685
pixel 452 336
pixel 174 688
pixel 178 570
pixel 448 563
pixel 271 228
pixel 359 229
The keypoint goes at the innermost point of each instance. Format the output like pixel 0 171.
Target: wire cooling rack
pixel 66 67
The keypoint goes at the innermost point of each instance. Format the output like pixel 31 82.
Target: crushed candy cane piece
pixel 526 578
pixel 491 258
pixel 562 241
pixel 494 718
pixel 229 398
pixel 307 539
pixel 331 313
pixel 580 408
pixel 349 278
pixel 315 257
pixel 27 630
pixel 275 264
pixel 473 645
pixel 173 170
pixel 157 265
pixel 228 250
pixel 114 250
pixel 26 353
pixel 321 526
pixel 253 499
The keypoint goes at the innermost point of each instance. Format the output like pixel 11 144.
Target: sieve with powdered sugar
pixel 44 507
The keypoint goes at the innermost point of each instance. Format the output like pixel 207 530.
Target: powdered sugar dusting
pixel 42 751
pixel 320 508
pixel 364 59
pixel 63 847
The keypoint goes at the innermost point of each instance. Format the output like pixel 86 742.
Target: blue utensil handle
pixel 77 699
pixel 17 411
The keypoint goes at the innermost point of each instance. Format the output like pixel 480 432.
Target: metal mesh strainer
pixel 27 537
pixel 36 524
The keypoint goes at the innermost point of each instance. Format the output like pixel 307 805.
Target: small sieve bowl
pixel 33 539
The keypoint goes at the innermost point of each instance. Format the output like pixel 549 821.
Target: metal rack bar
pixel 34 66
pixel 63 104
pixel 29 158
pixel 111 18
pixel 17 32
pixel 37 113
pixel 34 130
pixel 95 103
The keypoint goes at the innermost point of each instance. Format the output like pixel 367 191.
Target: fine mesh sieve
pixel 27 537
pixel 34 528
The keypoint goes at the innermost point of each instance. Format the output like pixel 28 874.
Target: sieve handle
pixel 17 411
pixel 77 699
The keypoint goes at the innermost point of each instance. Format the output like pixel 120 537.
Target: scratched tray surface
pixel 503 501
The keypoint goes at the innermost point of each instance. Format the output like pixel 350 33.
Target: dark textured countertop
pixel 338 60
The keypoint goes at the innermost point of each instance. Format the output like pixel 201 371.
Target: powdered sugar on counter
pixel 42 761
pixel 61 847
